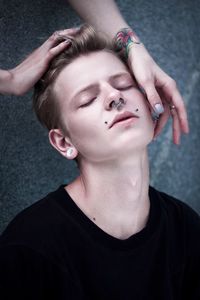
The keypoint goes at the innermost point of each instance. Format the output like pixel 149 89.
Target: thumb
pixel 153 98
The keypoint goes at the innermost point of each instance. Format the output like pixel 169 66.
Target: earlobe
pixel 69 152
pixel 61 143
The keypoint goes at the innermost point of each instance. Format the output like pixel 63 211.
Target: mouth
pixel 125 117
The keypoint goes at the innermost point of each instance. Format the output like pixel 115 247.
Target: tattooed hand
pixel 160 89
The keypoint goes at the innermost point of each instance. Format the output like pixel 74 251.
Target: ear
pixel 62 143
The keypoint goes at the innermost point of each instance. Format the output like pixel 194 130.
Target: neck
pixel 116 197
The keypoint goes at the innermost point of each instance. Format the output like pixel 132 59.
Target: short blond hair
pixel 45 102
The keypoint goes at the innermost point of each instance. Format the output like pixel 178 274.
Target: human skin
pixel 106 17
pixel 112 188
pixel 21 79
pixel 160 88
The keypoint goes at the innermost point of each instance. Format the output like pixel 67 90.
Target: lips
pixel 123 116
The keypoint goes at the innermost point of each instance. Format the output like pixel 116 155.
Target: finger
pixel 181 111
pixel 68 32
pixel 176 127
pixel 59 48
pixel 58 36
pixel 161 122
pixel 153 98
pixel 173 96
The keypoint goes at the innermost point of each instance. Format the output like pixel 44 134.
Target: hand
pixel 158 85
pixel 26 74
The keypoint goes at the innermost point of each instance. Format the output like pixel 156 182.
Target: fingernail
pixel 67 39
pixel 159 109
pixel 155 116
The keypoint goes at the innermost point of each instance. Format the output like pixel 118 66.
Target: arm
pixel 5 79
pixel 20 79
pixel 105 16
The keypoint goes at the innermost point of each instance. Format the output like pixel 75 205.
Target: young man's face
pixel 86 89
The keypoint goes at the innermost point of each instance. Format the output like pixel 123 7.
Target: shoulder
pixel 183 221
pixel 36 225
pixel 178 208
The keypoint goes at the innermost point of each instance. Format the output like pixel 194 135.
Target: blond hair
pixel 45 102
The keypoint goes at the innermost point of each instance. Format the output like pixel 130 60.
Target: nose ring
pixel 118 105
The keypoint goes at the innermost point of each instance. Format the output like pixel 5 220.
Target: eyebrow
pixel 95 85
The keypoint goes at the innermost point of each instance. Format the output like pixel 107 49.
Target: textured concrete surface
pixel 30 167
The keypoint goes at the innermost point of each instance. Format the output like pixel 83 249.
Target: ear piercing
pixel 69 151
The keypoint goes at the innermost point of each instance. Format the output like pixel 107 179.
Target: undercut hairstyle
pixel 45 102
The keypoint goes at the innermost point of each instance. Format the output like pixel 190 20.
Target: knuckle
pixel 181 106
pixel 183 117
pixel 49 54
pixel 54 36
pixel 146 82
pixel 56 33
pixel 171 83
pixel 181 110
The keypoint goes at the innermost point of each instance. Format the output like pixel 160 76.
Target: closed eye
pixel 125 87
pixel 88 103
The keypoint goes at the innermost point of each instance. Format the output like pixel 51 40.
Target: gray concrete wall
pixel 29 167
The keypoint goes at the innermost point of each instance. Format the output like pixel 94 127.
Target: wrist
pixel 125 39
pixel 14 84
pixel 6 85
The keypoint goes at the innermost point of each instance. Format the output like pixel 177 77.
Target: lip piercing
pixel 135 110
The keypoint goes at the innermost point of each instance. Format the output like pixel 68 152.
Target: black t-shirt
pixel 52 250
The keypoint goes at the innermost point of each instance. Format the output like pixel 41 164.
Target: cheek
pixel 85 130
pixel 146 111
pixel 140 102
pixel 148 115
pixel 88 138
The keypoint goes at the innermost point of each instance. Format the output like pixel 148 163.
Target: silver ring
pixel 171 107
pixel 118 105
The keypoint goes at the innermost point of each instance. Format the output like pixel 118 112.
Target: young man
pixel 107 234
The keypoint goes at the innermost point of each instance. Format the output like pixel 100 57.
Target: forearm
pixel 6 86
pixel 103 15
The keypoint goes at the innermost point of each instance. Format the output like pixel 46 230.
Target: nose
pixel 112 94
